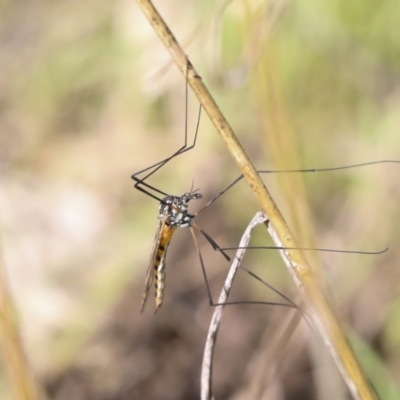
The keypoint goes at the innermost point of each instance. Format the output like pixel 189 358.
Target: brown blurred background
pixel 89 96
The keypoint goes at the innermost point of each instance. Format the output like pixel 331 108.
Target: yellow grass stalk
pixel 12 351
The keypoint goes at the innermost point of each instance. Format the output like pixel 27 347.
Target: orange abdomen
pixel 159 263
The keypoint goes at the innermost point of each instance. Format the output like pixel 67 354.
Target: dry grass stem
pixel 299 268
pixel 13 355
pixel 206 372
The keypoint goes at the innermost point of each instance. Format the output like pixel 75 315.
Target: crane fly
pixel 174 214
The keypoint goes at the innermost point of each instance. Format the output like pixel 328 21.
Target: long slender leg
pixel 140 183
pixel 221 250
pixel 369 253
pixel 157 166
pixel 216 247
pixel 160 164
pixel 289 303
pixel 309 170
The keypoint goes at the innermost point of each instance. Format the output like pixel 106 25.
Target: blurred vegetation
pixel 89 96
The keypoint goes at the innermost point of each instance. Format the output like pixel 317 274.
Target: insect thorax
pixel 175 209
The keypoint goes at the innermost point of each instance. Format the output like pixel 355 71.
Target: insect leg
pixel 369 253
pixel 140 183
pixel 308 170
pixel 215 246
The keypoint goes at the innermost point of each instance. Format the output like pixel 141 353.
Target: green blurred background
pixel 89 96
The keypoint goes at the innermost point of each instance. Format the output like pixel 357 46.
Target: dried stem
pixel 206 371
pixel 13 355
pixel 294 258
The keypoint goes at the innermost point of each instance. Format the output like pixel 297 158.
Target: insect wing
pixel 150 270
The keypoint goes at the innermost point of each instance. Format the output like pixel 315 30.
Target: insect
pixel 174 214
